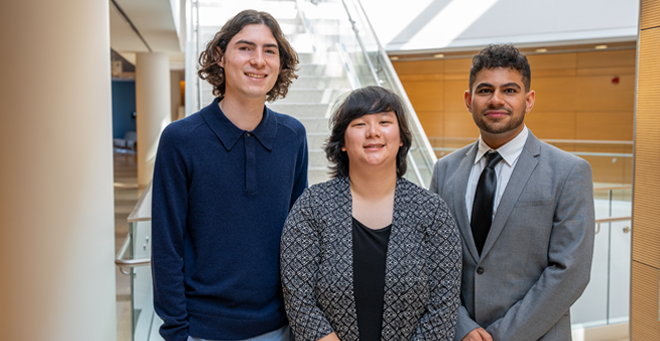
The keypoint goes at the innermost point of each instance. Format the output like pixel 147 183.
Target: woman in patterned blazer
pixel 369 255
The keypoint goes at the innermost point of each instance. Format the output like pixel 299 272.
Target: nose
pixel 497 100
pixel 258 59
pixel 373 130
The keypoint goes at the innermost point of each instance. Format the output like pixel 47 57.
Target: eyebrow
pixel 247 42
pixel 507 85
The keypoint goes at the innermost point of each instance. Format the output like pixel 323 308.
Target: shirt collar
pixel 509 151
pixel 229 134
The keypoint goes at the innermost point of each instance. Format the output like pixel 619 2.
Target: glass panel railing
pixel 606 300
pixel 134 259
pixel 366 62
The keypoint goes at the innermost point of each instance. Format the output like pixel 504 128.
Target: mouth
pixel 497 113
pixel 374 146
pixel 255 75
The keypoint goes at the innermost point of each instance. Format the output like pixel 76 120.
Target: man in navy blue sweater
pixel 224 181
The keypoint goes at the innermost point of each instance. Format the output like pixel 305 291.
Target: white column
pixel 56 193
pixel 152 101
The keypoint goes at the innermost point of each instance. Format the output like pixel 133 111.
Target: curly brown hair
pixel 209 58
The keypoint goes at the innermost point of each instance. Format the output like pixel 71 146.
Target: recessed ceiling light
pixel 439 55
pixel 600 47
pixel 394 58
pixel 541 50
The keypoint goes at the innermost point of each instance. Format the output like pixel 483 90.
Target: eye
pixel 510 91
pixel 271 51
pixel 484 91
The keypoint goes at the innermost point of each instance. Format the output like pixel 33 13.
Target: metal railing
pixel 133 259
pixel 450 144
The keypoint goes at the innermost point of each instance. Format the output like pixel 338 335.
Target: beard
pixel 494 127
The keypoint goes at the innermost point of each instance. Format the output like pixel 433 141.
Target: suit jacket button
pixel 480 271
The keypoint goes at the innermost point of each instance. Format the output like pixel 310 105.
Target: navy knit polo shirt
pixel 220 198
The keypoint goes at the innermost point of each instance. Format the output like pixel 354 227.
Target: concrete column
pixel 56 192
pixel 152 102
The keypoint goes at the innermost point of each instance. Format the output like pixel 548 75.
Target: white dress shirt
pixel 510 153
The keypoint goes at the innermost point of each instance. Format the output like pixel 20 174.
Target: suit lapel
pixel 458 199
pixel 523 171
pixel 343 247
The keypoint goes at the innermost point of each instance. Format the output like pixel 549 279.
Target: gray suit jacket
pixel 422 275
pixel 537 258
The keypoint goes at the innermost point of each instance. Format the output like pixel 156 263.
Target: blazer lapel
pixel 397 239
pixel 458 200
pixel 343 247
pixel 523 171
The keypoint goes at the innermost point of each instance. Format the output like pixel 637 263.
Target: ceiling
pixel 155 25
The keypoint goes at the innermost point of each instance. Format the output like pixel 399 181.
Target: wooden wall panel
pixel 454 100
pixel 551 124
pixel 561 61
pixel 555 93
pixel 423 67
pixel 646 239
pixel 460 66
pixel 427 95
pixel 644 303
pixel 644 323
pixel 649 14
pixel 434 121
pixel 606 59
pixel 604 125
pixel 460 124
pixel 598 93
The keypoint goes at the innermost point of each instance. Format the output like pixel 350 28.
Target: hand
pixel 478 334
pixel 333 337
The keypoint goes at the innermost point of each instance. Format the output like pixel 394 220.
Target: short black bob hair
pixel 505 56
pixel 360 102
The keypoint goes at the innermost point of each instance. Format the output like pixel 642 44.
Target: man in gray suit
pixel 524 210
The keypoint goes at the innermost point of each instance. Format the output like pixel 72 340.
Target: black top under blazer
pixel 423 266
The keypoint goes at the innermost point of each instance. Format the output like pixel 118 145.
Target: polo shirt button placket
pixel 250 164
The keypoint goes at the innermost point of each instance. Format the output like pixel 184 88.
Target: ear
pixel 467 96
pixel 343 149
pixel 529 100
pixel 221 61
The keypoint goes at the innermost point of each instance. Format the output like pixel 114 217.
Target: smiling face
pixel 498 103
pixel 251 63
pixel 373 139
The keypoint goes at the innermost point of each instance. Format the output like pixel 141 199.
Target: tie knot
pixel 492 159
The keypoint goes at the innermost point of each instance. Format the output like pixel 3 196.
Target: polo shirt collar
pixel 228 133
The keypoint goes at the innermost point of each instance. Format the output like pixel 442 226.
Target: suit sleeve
pixel 464 324
pixel 444 267
pixel 169 209
pixel 299 259
pixel 569 264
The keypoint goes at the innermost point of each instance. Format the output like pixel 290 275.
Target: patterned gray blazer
pixel 423 266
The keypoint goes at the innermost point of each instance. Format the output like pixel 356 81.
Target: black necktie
pixel 482 209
